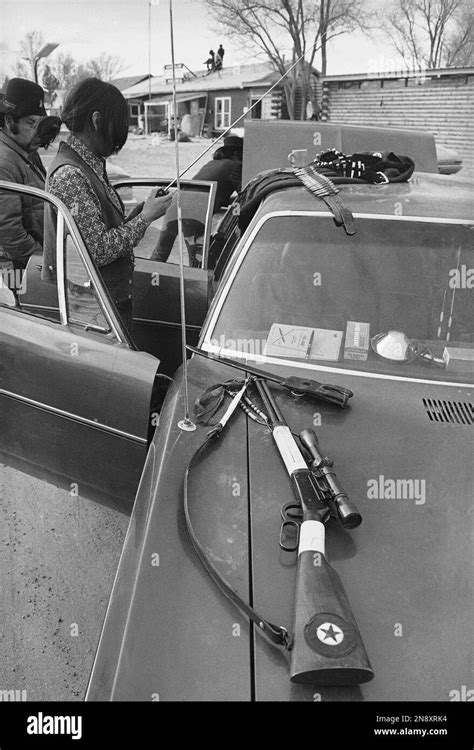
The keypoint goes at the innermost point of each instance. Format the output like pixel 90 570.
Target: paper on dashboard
pixel 303 342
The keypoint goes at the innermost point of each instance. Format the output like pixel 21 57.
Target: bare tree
pixel 303 26
pixel 106 67
pixel 20 70
pixel 50 83
pixel 65 69
pixel 29 48
pixel 430 33
pixel 459 48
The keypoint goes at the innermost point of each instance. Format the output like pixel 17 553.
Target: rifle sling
pixel 278 635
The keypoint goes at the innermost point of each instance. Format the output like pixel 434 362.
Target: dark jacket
pixel 228 175
pixel 118 275
pixel 21 217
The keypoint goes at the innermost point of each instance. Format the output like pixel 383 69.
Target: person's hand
pixel 153 207
pixel 135 211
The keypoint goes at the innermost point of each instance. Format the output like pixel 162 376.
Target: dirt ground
pixel 155 156
pixel 58 556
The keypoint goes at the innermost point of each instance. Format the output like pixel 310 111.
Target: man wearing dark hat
pixel 225 169
pixel 21 217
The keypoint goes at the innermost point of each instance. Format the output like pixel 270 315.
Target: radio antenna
pixel 241 117
pixel 185 423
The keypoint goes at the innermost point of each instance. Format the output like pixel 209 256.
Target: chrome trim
pixel 221 296
pixel 26 306
pixel 262 359
pixel 60 269
pixel 73 417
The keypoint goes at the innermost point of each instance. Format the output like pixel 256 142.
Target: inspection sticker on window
pixel 303 342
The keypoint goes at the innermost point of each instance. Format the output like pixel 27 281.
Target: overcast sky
pixel 86 28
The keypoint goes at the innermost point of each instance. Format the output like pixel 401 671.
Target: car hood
pixel 170 634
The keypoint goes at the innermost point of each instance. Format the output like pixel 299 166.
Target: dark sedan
pixel 386 313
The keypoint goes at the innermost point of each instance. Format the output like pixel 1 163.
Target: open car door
pixel 75 393
pixel 157 315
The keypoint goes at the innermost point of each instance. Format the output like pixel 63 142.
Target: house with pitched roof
pixel 207 101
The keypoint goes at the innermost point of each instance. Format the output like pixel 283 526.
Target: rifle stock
pixel 327 645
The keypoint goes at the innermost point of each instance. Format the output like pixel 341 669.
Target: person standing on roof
pixel 221 53
pixel 210 62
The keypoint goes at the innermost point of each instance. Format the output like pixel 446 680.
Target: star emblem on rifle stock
pixel 330 633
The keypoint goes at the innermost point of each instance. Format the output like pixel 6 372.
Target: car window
pixel 307 293
pixel 22 238
pixel 81 301
pixel 29 281
pixel 160 242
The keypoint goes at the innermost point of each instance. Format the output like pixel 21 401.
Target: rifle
pixel 327 645
pixel 327 648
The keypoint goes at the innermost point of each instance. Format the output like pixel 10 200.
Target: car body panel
pixel 157 312
pixel 379 563
pixel 86 420
pixel 156 306
pixel 404 569
pixel 204 643
pixel 406 564
pixel 426 195
pixel 58 422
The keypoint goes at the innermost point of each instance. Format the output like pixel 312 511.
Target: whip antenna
pixel 186 423
pixel 241 117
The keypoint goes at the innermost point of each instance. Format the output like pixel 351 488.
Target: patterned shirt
pixel 71 185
